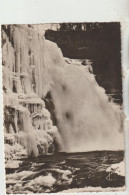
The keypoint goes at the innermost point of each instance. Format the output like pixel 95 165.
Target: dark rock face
pixel 50 107
pixel 9 118
pixel 84 63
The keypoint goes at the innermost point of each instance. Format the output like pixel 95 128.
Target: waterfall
pixel 86 119
pixel 33 67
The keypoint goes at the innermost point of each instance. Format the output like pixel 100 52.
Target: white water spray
pixel 86 119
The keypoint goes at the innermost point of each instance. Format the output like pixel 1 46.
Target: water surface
pixel 62 171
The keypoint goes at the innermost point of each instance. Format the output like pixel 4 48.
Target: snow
pixel 15 177
pixel 118 168
pixel 12 152
pixel 64 172
pixel 64 176
pixel 48 181
pixel 13 164
pixel 31 185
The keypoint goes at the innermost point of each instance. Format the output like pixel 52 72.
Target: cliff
pixel 28 126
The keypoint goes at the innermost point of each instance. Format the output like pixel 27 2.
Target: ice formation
pixel 28 126
pixel 32 67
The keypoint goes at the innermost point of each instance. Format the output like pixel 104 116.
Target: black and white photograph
pixel 63 107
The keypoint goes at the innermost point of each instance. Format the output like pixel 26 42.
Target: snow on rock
pixel 118 168
pixel 15 151
pixel 15 177
pixel 39 183
pixel 65 176
pixel 47 180
pixel 13 164
pixel 36 185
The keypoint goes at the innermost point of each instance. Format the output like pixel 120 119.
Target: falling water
pixel 32 67
pixel 86 119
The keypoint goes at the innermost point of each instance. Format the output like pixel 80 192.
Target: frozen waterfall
pixel 32 67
